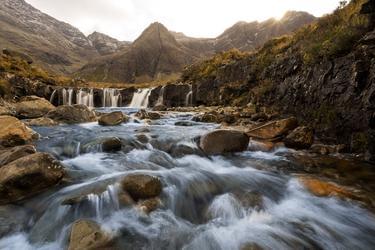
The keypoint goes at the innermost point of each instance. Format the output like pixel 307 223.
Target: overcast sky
pixel 126 19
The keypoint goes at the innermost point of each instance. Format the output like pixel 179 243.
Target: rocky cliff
pixel 105 44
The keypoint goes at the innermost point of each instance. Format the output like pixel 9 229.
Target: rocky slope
pixel 324 74
pixel 105 44
pixel 55 45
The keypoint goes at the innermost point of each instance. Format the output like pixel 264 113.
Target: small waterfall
pixel 160 100
pixel 67 96
pixel 140 98
pixel 85 97
pixel 53 96
pixel 111 97
pixel 189 97
pixel 70 96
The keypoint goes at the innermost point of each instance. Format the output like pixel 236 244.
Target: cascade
pixel 160 100
pixel 111 97
pixel 189 97
pixel 140 98
pixel 85 97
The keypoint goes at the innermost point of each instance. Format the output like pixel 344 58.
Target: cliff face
pixel 105 44
pixel 325 78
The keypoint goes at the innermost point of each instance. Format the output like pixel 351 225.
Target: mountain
pixel 154 54
pixel 55 45
pixel 323 74
pixel 105 44
pixel 249 36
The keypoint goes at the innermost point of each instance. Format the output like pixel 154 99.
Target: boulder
pixel 106 144
pixel 28 176
pixel 33 107
pixel 87 234
pixel 13 132
pixel 263 146
pixel 143 114
pixel 300 138
pixel 224 141
pixel 159 107
pixel 328 149
pixel 40 122
pixel 141 186
pixel 4 110
pixel 273 130
pixel 113 119
pixel 149 205
pixel 12 154
pixel 72 114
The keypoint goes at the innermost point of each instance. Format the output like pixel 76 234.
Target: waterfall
pixel 85 98
pixel 52 96
pixel 111 97
pixel 70 96
pixel 160 100
pixel 140 98
pixel 189 97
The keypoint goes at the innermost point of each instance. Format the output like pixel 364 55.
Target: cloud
pixel 126 19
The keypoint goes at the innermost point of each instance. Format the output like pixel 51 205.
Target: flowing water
pixel 222 202
pixel 140 98
pixel 189 97
pixel 111 97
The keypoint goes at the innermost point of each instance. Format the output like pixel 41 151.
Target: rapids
pixel 204 198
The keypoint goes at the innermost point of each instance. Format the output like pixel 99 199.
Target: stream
pixel 237 201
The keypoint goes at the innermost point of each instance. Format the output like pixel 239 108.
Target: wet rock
pixel 4 110
pixel 184 123
pixel 124 199
pixel 12 154
pixel 149 205
pixel 251 246
pixel 250 199
pixel 180 150
pixel 143 138
pixel 327 149
pixel 28 176
pixel 224 141
pixel 108 144
pixel 159 107
pixel 111 144
pixel 12 219
pixel 13 132
pixel 40 122
pixel 143 114
pixel 140 186
pixel 324 189
pixel 113 119
pixel 87 234
pixel 211 117
pixel 33 107
pixel 72 114
pixel 300 138
pixel 273 130
pixel 264 146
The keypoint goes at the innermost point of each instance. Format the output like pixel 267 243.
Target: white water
pixel 189 97
pixel 140 98
pixel 111 97
pixel 85 98
pixel 161 96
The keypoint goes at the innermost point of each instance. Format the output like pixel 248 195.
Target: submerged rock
pixel 274 129
pixel 149 205
pixel 224 141
pixel 12 154
pixel 140 186
pixel 72 114
pixel 87 234
pixel 28 176
pixel 300 138
pixel 113 119
pixel 33 107
pixel 13 132
pixel 40 122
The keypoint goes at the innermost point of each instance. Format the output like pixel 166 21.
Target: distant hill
pixel 105 44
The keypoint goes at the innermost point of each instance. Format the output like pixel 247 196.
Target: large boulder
pixel 300 138
pixel 87 234
pixel 12 154
pixel 224 141
pixel 72 114
pixel 33 107
pixel 13 132
pixel 28 176
pixel 40 122
pixel 141 186
pixel 113 119
pixel 273 130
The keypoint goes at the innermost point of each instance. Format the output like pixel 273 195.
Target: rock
pixel 300 138
pixel 13 132
pixel 149 205
pixel 327 149
pixel 33 107
pixel 72 114
pixel 159 107
pixel 273 130
pixel 143 114
pixel 12 154
pixel 264 146
pixel 185 123
pixel 12 219
pixel 224 141
pixel 40 122
pixel 124 199
pixel 323 189
pixel 7 111
pixel 113 119
pixel 143 138
pixel 180 150
pixel 87 234
pixel 111 144
pixel 140 186
pixel 250 199
pixel 28 176
pixel 211 117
